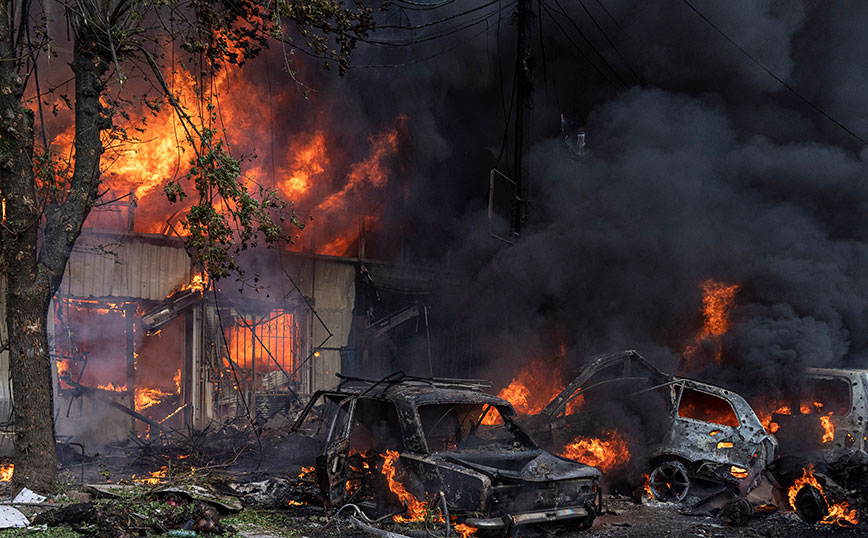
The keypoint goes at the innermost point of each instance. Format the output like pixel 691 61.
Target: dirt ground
pixel 623 518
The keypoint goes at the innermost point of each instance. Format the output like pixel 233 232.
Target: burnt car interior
pixel 459 426
pixel 800 423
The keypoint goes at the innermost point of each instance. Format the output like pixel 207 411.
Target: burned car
pixel 686 429
pixel 827 416
pixel 429 442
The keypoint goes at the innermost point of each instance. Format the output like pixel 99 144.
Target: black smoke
pixel 701 165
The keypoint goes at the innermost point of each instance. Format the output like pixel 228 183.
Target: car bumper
pixel 530 518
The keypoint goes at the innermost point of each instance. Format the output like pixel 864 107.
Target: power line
pixel 606 11
pixel 588 42
pixel 440 21
pixel 609 41
pixel 436 35
pixel 424 58
pixel 774 76
pixel 578 48
pixel 420 6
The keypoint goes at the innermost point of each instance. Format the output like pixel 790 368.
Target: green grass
pixel 270 521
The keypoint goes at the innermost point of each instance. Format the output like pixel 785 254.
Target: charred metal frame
pixel 496 491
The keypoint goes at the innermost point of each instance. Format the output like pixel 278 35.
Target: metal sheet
pixel 134 266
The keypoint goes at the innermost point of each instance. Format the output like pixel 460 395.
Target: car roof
pixel 421 391
pixel 836 371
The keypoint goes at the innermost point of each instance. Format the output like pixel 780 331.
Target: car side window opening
pixel 706 407
pixel 375 427
pixel 824 396
pixel 339 410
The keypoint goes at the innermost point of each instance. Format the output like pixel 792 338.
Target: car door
pixel 332 411
pixel 704 424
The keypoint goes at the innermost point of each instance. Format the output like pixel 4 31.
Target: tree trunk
pixel 30 364
pixel 34 271
pixel 28 292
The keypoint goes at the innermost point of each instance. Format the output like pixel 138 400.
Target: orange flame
pixel 738 472
pixel 6 472
pixel 154 477
pixel 309 160
pixel 838 513
pixel 245 345
pixel 608 453
pixel 305 471
pixel 146 397
pixel 197 283
pixel 718 300
pixel 647 486
pixel 828 428
pixel 806 408
pixel 111 388
pixel 177 380
pixel 316 173
pixel 464 531
pixel 532 389
pixel 415 508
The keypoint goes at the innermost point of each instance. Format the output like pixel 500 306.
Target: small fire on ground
pixel 152 478
pixel 6 472
pixel 839 513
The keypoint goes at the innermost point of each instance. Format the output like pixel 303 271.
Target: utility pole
pixel 524 63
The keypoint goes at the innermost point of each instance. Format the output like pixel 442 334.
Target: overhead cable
pixel 774 76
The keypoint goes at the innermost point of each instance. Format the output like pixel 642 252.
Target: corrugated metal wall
pixel 125 266
pixel 330 284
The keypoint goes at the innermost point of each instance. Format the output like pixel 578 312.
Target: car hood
pixel 521 466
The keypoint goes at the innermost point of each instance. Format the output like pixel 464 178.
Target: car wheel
pixel 669 482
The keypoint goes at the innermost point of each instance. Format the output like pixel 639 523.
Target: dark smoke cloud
pixel 707 168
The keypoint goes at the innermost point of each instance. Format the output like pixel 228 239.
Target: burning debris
pixel 607 453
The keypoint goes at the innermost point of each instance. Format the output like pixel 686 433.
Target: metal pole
pixel 524 81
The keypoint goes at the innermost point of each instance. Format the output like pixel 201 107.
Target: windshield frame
pixel 505 410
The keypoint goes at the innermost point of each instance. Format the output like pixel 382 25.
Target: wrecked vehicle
pixel 425 443
pixel 690 430
pixel 827 416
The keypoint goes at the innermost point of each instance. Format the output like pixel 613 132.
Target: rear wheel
pixel 669 482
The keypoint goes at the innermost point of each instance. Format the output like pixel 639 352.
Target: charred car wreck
pixel 827 416
pixel 690 431
pixel 405 446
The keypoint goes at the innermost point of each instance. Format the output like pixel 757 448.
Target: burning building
pixel 142 341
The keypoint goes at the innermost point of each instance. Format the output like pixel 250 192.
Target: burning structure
pixel 141 341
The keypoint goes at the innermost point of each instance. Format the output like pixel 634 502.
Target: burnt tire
pixel 669 482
